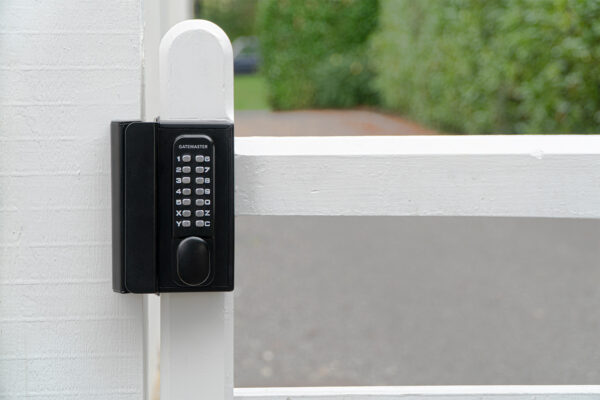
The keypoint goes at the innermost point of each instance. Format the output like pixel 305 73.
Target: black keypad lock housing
pixel 172 202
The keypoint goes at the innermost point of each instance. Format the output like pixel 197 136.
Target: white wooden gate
pixel 66 69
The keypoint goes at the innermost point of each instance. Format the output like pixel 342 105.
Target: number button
pixel 199 158
pixel 199 213
pixel 186 170
pixel 200 202
pixel 199 192
pixel 200 223
pixel 186 158
pixel 187 191
pixel 185 223
pixel 199 181
pixel 185 179
pixel 186 213
pixel 186 202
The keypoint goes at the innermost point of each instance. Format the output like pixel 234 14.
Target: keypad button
pixel 199 213
pixel 199 170
pixel 186 158
pixel 200 223
pixel 199 158
pixel 199 191
pixel 200 181
pixel 186 202
pixel 186 191
pixel 200 202
pixel 186 170
pixel 185 223
pixel 186 213
pixel 185 179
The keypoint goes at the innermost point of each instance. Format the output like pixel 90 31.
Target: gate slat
pixel 568 392
pixel 493 176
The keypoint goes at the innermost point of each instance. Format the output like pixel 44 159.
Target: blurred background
pixel 446 300
pixel 456 66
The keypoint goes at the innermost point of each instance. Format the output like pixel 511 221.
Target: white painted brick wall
pixel 66 69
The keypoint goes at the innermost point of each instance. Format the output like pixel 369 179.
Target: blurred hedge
pixel 510 66
pixel 314 51
pixel 236 17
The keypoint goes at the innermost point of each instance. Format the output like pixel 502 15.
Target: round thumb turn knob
pixel 193 261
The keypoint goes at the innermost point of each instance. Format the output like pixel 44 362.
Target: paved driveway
pixel 412 301
pixel 323 123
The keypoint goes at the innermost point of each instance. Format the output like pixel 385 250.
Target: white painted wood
pixel 153 19
pixel 500 176
pixel 152 346
pixel 66 69
pixel 422 393
pixel 196 74
pixel 196 346
pixel 174 11
pixel 158 17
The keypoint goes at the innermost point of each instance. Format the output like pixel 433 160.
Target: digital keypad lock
pixel 193 185
pixel 172 194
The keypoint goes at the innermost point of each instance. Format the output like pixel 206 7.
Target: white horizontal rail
pixel 422 393
pixel 520 176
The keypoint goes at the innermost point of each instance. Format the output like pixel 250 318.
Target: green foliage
pixel 250 92
pixel 505 66
pixel 236 17
pixel 343 81
pixel 313 51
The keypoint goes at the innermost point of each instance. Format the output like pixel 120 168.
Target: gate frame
pixel 492 176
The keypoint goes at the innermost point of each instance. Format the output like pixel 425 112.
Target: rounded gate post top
pixel 196 74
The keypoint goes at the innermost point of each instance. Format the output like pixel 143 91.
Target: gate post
pixel 196 86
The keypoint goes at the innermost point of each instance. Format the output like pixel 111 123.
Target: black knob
pixel 193 261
